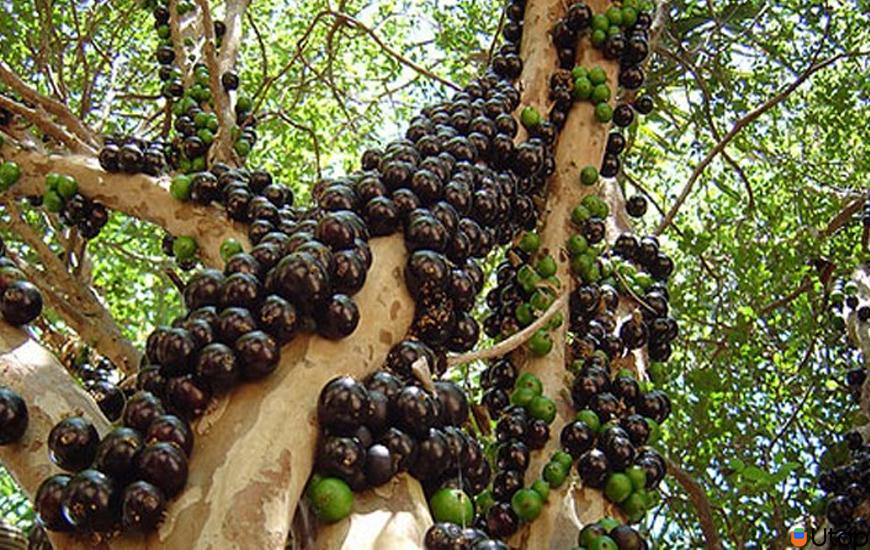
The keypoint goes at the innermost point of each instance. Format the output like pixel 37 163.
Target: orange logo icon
pixel 798 537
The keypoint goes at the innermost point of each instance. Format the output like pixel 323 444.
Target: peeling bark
pixel 137 195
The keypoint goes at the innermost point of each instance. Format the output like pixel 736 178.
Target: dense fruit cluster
pixel 846 496
pixel 20 300
pixel 13 416
pixel 122 480
pixel 98 376
pixel 76 210
pixel 132 155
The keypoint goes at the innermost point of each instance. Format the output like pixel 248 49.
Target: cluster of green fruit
pixel 10 173
pixel 591 85
pixel 586 247
pixel 537 278
pixel 61 196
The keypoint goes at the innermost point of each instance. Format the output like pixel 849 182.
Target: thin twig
pixel 514 341
pixel 700 501
pixel 738 126
pixel 222 150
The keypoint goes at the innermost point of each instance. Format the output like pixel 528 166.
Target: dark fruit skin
pixel 47 503
pixel 216 367
pixel 258 354
pixel 501 520
pixel 402 447
pixel 142 408
pixel 186 397
pixel 415 411
pixel 537 434
pixel 344 457
pixel 454 404
pixel 176 352
pixel 343 405
pixel 88 501
pixel 593 468
pixel 72 443
pixel 338 318
pixel 379 467
pixel 109 398
pixel 20 303
pixel 506 483
pixel 433 456
pixel 513 455
pixel 116 453
pixel 163 465
pixel 171 429
pixel 577 438
pixel 13 416
pixel 626 538
pixel 142 506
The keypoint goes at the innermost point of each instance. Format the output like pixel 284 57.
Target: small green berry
pixel 589 175
pixel 229 248
pixel 597 76
pixel 603 113
pixel 530 117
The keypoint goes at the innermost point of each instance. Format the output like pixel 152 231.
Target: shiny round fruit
pixel 13 416
pixel 142 506
pixel 47 503
pixel 88 501
pixel 343 404
pixel 72 443
pixel 331 499
pixel 163 465
pixel 116 453
pixel 20 303
pixel 451 505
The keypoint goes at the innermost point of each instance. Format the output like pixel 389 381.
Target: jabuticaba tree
pixel 307 377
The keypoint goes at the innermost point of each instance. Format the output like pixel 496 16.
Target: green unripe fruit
pixel 541 300
pixel 582 88
pixel 555 321
pixel 590 418
pixel 598 37
pixel 600 22
pixel 582 263
pixel 600 93
pixel 331 499
pixel 577 245
pixel 613 31
pixel 617 487
pixel 205 135
pixel 184 248
pixel 563 458
pixel 212 123
pixel 52 202
pixel 634 506
pixel 579 72
pixel 67 186
pixel 546 266
pixel 200 120
pixel 529 242
pixel 242 147
pixel 597 76
pixel 10 173
pixel 524 314
pixel 614 15
pixel 451 505
pixel 180 187
pixel 528 278
pixel 244 104
pixel 543 408
pixel 609 523
pixel 603 113
pixel 530 381
pixel 52 179
pixel 229 248
pixel 522 397
pixel 589 175
pixel 530 117
pixel 637 475
pixel 484 501
pixel 603 543
pixel 541 487
pixel 580 214
pixel 527 504
pixel 540 343
pixel 629 15
pixel 555 474
pixel 197 164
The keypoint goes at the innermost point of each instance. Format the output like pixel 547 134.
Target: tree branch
pixel 232 39
pixel 51 105
pixel 738 126
pixel 79 305
pixel 41 120
pixel 222 150
pixel 699 500
pixel 136 195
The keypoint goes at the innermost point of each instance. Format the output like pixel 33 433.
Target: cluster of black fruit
pixel 122 480
pixel 97 375
pixel 132 155
pixel 449 536
pixel 20 300
pixel 614 438
pixel 497 381
pixel 847 496
pixel 386 425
